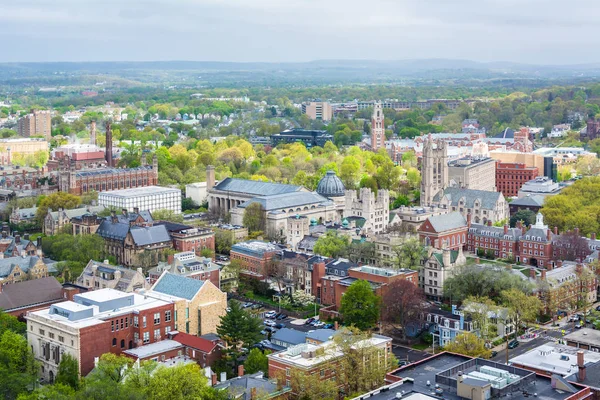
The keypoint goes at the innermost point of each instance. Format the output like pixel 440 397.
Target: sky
pixel 525 31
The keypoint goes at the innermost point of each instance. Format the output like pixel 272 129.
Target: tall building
pixel 377 128
pixel 36 123
pixel 510 177
pixel 320 110
pixel 109 152
pixel 434 170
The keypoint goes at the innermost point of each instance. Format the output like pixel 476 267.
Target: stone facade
pixel 473 173
pixel 439 266
pixel 434 170
pixel 56 220
pixel 101 275
pixel 374 209
pixel 377 128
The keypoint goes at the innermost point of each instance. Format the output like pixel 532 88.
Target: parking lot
pixel 287 322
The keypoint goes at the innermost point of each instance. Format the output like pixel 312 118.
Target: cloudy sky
pixel 529 31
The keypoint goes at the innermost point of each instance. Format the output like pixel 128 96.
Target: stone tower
pixel 377 127
pixel 109 150
pixel 210 177
pixel 93 132
pixel 434 170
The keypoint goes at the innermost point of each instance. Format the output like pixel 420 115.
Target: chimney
pixel 213 379
pixel 336 325
pixel 170 259
pixel 593 236
pixel 140 270
pixel 556 230
pixel 17 238
pixel 543 274
pixel 580 366
pixel 469 220
pixel 210 177
pixel 505 229
pixel 109 151
pixel 549 234
pixel 532 273
pixel 26 236
pixel 241 370
pixel 4 234
pixel 93 132
pixel 136 210
pixel 446 257
pixel 39 242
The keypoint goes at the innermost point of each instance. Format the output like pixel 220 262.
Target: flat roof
pixel 106 294
pixel 587 336
pixel 140 191
pixel 555 358
pixel 154 348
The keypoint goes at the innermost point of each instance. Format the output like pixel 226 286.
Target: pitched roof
pixel 535 201
pixel 27 293
pixel 145 235
pixel 241 387
pixel 440 257
pixel 24 262
pixel 76 212
pixel 494 231
pixel 287 200
pixel 446 222
pixel 291 336
pixel 178 286
pixel 110 230
pixel 255 187
pixel 322 335
pixel 195 342
pixel 488 199
pixel 127 274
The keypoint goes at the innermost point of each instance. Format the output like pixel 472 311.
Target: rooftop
pixel 140 191
pixel 555 358
pixel 444 222
pixel 249 187
pixel 587 336
pixel 178 286
pixel 157 348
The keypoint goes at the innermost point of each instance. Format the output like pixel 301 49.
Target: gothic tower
pixel 109 149
pixel 377 128
pixel 434 170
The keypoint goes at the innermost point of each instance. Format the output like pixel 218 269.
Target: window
pixel 167 329
pixel 121 323
pixel 157 334
pixel 187 327
pixel 322 373
pixel 135 321
pixel 144 321
pixel 126 322
pixel 146 337
pixel 156 318
pixel 136 336
pixel 42 332
pixel 187 313
pixel 122 343
pixel 114 342
pixel 61 339
pixel 287 372
pixel 168 316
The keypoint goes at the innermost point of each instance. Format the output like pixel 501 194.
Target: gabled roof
pixel 76 212
pixel 241 387
pixel 321 335
pixel 28 293
pixel 487 199
pixel 145 235
pixel 440 257
pixel 446 222
pixel 24 262
pixel 291 336
pixel 255 187
pixel 195 342
pixel 532 201
pixel 110 230
pixel 178 286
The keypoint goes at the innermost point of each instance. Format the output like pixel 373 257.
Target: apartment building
pixel 36 123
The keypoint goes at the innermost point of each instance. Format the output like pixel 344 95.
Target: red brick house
pixel 511 176
pixel 254 257
pixel 205 349
pixel 444 231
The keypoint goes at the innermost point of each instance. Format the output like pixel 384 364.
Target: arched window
pixel 122 343
pixel 114 341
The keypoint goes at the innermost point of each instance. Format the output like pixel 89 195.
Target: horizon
pixel 534 32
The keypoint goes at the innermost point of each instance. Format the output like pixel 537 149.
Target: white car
pixel 318 324
pixel 270 323
pixel 270 314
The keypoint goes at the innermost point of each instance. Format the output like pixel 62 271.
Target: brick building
pixel 187 264
pixel 94 323
pixel 511 176
pixel 444 231
pixel 79 182
pixel 199 305
pixel 187 238
pixel 36 123
pixel 254 256
pixel 205 350
pixel 86 224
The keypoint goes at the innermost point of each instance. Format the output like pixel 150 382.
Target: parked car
pixel 513 344
pixel 328 326
pixel 309 321
pixel 494 353
pixel 578 326
pixel 256 306
pixel 270 314
pixel 270 329
pixel 270 323
pixel 279 326
pixel 246 305
pixel 282 317
pixel 278 315
pixel 319 324
pixel 402 363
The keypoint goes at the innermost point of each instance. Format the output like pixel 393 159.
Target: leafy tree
pixel 254 218
pixel 481 310
pixel 360 252
pixel 223 242
pixel 409 253
pixel 18 370
pixel 527 216
pixel 55 201
pixel 188 204
pixel 11 323
pixel 360 306
pixel 68 371
pixel 256 361
pixel 78 249
pixel 58 391
pixel 468 344
pixel 239 329
pixel 402 301
pixel 522 308
pixel 167 215
pixel 401 200
pixel 181 382
pixel 331 244
pixel 309 387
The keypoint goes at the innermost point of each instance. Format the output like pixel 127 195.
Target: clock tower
pixel 377 127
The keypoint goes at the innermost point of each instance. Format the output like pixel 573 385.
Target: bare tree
pixel 570 246
pixel 402 302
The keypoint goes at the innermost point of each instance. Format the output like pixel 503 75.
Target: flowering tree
pixel 302 298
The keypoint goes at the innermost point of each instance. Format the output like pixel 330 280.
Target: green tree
pixel 55 201
pixel 481 310
pixel 360 305
pixel 68 371
pixel 409 254
pixel 11 323
pixel 521 307
pixel 239 329
pixel 331 244
pixel 167 215
pixel 58 391
pixel 181 382
pixel 311 386
pixel 18 370
pixel 468 344
pixel 254 218
pixel 526 216
pixel 257 361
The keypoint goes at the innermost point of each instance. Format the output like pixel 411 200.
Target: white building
pixel 197 191
pixel 151 198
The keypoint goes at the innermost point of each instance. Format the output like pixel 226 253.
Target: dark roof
pixel 255 187
pixel 111 171
pixel 440 257
pixel 331 186
pixel 145 235
pixel 494 231
pixel 178 286
pixel 536 234
pixel 287 200
pixel 28 293
pixel 195 342
pixel 241 387
pixel 173 226
pixel 529 200
pixel 24 262
pixel 506 134
pixel 592 376
pixel 488 199
pixel 113 230
pixel 446 222
pixel 288 335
